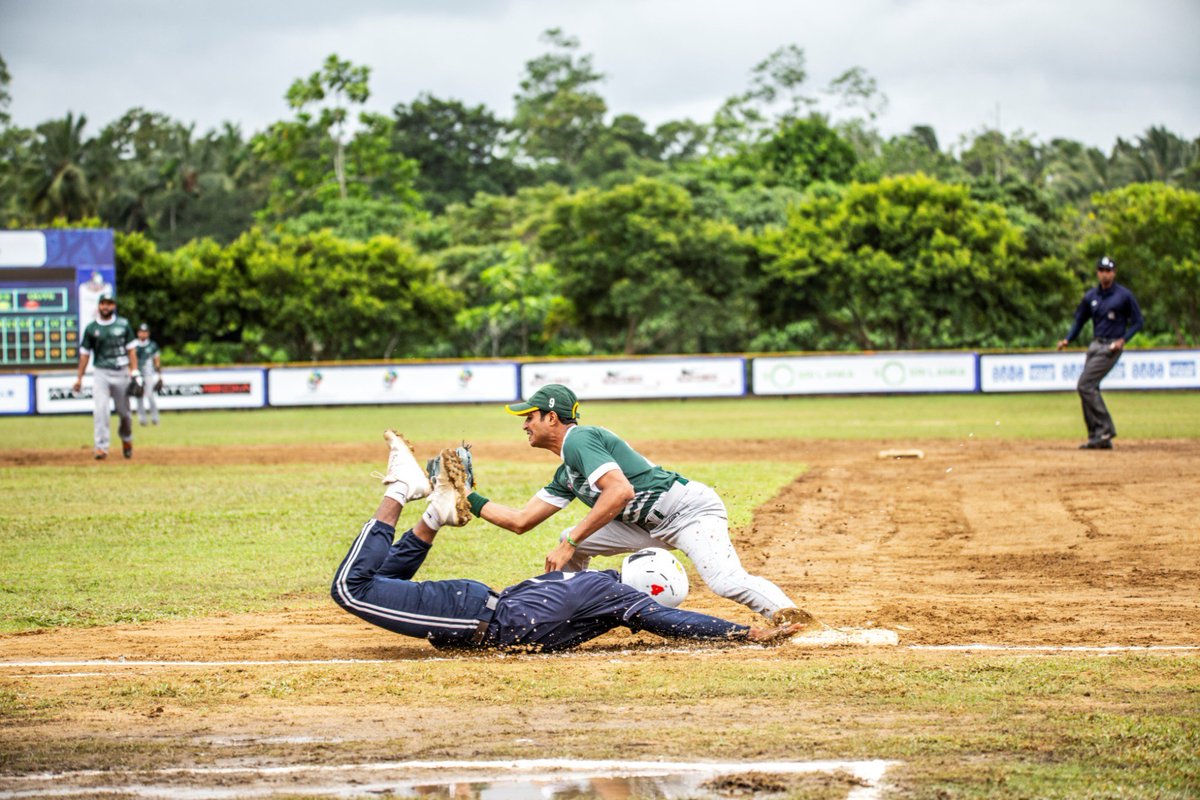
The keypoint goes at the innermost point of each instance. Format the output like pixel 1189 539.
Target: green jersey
pixel 108 343
pixel 588 454
pixel 147 350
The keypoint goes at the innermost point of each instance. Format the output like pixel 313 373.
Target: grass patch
pixel 1026 416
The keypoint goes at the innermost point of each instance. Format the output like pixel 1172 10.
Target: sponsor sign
pixel 865 374
pixel 392 383
pixel 1059 372
pixel 15 397
pixel 182 389
pixel 642 378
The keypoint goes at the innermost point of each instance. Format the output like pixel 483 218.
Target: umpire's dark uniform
pixel 1115 316
pixel 554 611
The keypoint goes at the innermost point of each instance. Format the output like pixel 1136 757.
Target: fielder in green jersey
pixel 109 344
pixel 634 504
pixel 151 366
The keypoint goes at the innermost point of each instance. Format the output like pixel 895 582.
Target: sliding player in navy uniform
pixel 555 611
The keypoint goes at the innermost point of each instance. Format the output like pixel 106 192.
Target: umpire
pixel 1116 319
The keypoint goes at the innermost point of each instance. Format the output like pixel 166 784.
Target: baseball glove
pixel 137 386
pixel 434 465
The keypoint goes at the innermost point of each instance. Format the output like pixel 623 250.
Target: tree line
pixel 787 222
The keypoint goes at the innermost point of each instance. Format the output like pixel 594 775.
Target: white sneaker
pixel 403 467
pixel 448 505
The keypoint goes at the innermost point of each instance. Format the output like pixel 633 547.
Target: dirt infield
pixel 992 541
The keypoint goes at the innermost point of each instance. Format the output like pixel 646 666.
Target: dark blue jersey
pixel 1113 311
pixel 555 611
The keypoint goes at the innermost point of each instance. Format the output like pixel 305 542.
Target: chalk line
pixel 1013 648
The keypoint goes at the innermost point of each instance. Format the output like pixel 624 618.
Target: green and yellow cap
pixel 551 397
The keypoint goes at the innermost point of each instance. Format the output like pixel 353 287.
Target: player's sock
pixel 397 491
pixel 432 518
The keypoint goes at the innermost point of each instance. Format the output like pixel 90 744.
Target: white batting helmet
pixel 657 573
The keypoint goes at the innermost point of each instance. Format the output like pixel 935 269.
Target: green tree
pixel 806 151
pixel 518 301
pixel 56 172
pixel 460 149
pixel 744 119
pixel 908 262
pixel 5 96
pixel 559 114
pixel 320 166
pixel 1152 231
pixel 646 273
pixel 1157 155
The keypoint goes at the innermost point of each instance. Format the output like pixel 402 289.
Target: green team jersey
pixel 589 453
pixel 108 343
pixel 147 350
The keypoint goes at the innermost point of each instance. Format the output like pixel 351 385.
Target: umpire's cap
pixel 551 397
pixel 1105 263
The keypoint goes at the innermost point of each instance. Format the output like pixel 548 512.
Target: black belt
pixel 1102 340
pixel 482 626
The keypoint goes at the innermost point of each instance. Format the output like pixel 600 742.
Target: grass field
pixel 1142 415
pixel 87 544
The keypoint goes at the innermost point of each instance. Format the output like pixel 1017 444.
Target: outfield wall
pixel 387 383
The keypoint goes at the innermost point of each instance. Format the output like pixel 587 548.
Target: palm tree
pixel 1157 156
pixel 57 170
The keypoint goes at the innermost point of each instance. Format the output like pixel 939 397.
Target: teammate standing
pixel 634 504
pixel 555 611
pixel 1115 318
pixel 151 366
pixel 111 346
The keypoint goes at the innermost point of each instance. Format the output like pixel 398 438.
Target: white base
pixel 862 637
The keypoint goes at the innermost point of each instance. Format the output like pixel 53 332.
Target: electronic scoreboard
pixel 51 283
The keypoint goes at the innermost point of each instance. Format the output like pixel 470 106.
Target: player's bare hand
pixel 559 557
pixel 775 635
pixel 1062 344
pixel 76 386
pixel 1119 344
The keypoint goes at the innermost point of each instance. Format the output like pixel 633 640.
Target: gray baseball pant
pixel 148 398
pixel 111 384
pixel 694 521
pixel 1100 360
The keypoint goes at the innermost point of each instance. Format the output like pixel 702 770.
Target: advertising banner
pixel 641 378
pixel 182 389
pixel 15 397
pixel 865 374
pixel 1059 372
pixel 392 383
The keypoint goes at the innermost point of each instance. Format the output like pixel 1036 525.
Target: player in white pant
pixel 634 504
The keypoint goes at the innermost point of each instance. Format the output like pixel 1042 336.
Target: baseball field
pixel 166 628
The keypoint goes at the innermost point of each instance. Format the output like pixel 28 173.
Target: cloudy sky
pixel 1090 71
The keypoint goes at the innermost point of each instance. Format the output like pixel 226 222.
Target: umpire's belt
pixel 1103 340
pixel 488 611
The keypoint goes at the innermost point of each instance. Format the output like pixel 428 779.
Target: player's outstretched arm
pixel 535 512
